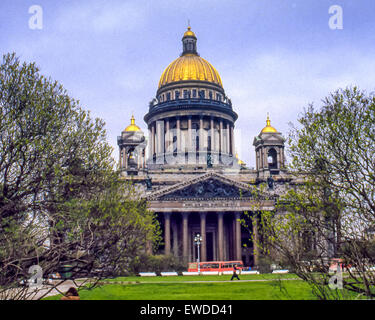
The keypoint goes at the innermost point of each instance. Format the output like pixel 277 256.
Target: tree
pixel 330 213
pixel 61 201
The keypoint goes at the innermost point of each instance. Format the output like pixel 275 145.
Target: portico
pixel 212 212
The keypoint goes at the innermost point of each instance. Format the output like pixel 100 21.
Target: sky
pixel 275 56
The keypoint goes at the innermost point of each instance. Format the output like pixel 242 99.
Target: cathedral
pixel 187 168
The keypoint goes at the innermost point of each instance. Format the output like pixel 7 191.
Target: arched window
pixel 272 159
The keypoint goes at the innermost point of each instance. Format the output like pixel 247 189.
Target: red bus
pixel 334 264
pixel 215 266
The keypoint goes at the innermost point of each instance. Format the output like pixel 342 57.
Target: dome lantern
pixel 189 42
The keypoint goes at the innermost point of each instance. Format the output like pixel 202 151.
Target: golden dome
pixel 132 127
pixel 190 67
pixel 268 128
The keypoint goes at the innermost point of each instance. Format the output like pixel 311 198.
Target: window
pixel 272 159
pixel 177 94
pixel 194 93
pixel 210 94
pixel 218 97
pixel 186 94
pixel 201 94
pixel 168 96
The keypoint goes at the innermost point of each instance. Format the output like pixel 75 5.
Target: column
pixel 212 134
pixel 190 138
pixel 233 151
pixel 152 140
pixel 238 236
pixel 220 228
pixel 203 234
pixel 125 157
pixel 167 140
pixel 167 232
pixel 149 143
pixel 185 244
pixel 227 147
pixel 178 134
pixel 265 163
pixel 221 137
pixel 255 241
pixel 201 144
pixel 159 136
pixel 175 238
pixel 191 151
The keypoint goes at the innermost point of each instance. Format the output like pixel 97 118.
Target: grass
pixel 191 288
pixel 201 278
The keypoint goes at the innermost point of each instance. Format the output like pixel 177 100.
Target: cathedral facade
pixel 188 170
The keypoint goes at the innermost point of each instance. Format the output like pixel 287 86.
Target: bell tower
pixel 132 146
pixel 269 150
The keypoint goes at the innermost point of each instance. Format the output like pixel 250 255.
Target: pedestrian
pixel 235 275
pixel 71 294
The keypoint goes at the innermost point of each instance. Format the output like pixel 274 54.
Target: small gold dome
pixel 239 161
pixel 190 67
pixel 189 33
pixel 268 128
pixel 132 127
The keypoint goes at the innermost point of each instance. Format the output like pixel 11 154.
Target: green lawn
pixel 191 288
pixel 268 276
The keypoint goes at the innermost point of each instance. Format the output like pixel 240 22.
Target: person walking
pixel 235 275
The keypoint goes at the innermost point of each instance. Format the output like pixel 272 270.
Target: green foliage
pixel 60 198
pixel 329 213
pixel 157 263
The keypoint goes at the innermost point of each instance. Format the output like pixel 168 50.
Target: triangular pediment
pixel 207 186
